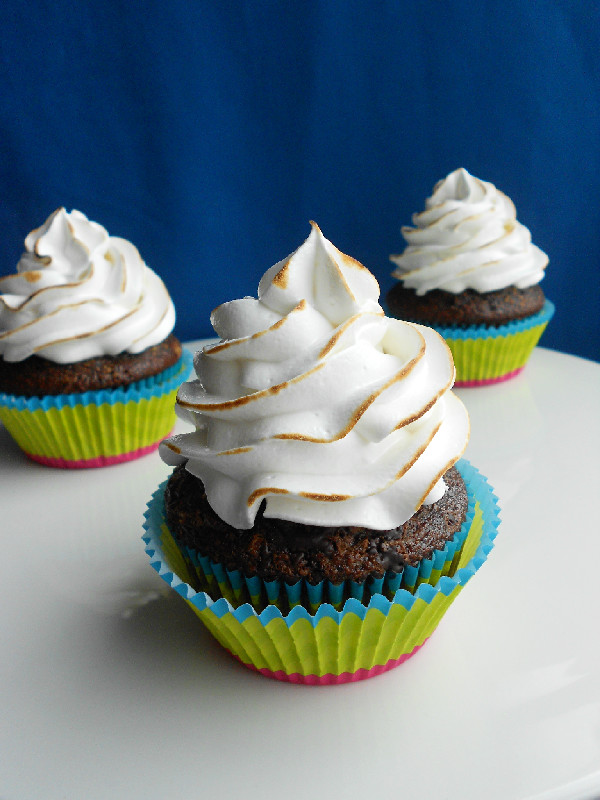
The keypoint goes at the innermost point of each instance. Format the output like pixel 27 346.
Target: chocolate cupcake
pixel 89 365
pixel 275 549
pixel 467 308
pixel 323 472
pixel 471 271
pixel 36 376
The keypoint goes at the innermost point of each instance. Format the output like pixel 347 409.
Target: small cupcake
pixel 319 518
pixel 89 367
pixel 471 271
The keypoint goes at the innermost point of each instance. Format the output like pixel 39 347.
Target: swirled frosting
pixel 79 293
pixel 468 237
pixel 316 402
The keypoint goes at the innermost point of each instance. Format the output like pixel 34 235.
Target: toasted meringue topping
pixel 318 404
pixel 79 293
pixel 468 237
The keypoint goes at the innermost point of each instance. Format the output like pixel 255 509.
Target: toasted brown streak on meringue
pixel 247 398
pixel 34 296
pixel 220 346
pixel 337 498
pixel 87 334
pixel 348 261
pixel 40 228
pixel 415 458
pixel 262 492
pixel 281 279
pixel 368 402
pixel 339 333
pixel 34 321
pixel 234 451
pixel 325 498
pixel 157 325
pixel 440 474
pixel 32 276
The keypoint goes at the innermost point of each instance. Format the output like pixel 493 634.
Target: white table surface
pixel 111 687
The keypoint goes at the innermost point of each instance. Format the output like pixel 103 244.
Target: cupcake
pixel 319 518
pixel 89 366
pixel 470 271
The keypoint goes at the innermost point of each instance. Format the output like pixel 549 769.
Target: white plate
pixel 111 688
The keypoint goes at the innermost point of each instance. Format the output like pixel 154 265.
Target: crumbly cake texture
pixel 37 376
pixel 277 549
pixel 466 308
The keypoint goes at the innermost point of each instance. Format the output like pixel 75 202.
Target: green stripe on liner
pixel 491 357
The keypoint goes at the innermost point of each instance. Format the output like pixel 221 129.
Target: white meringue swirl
pixel 318 403
pixel 468 237
pixel 79 293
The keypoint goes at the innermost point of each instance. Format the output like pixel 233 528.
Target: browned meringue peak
pixel 468 237
pixel 333 418
pixel 79 293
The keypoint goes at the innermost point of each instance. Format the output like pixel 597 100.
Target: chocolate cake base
pixel 37 376
pixel 466 308
pixel 278 549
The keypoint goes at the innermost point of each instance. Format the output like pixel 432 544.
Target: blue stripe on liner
pixel 490 332
pixel 272 588
pixel 315 593
pixel 294 592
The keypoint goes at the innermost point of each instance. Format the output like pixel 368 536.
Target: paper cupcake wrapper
pixel 484 354
pixel 330 645
pixel 218 581
pixel 100 428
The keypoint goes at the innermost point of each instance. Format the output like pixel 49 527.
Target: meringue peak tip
pixel 459 172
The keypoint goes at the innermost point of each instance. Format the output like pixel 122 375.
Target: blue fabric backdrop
pixel 209 133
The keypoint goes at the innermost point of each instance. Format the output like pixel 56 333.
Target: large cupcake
pixel 89 366
pixel 471 271
pixel 319 518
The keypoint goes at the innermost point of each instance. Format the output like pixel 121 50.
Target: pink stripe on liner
pixel 489 381
pixel 330 679
pixel 98 461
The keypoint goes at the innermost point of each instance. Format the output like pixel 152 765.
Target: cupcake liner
pixel 327 645
pixel 485 354
pixel 218 581
pixel 100 428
